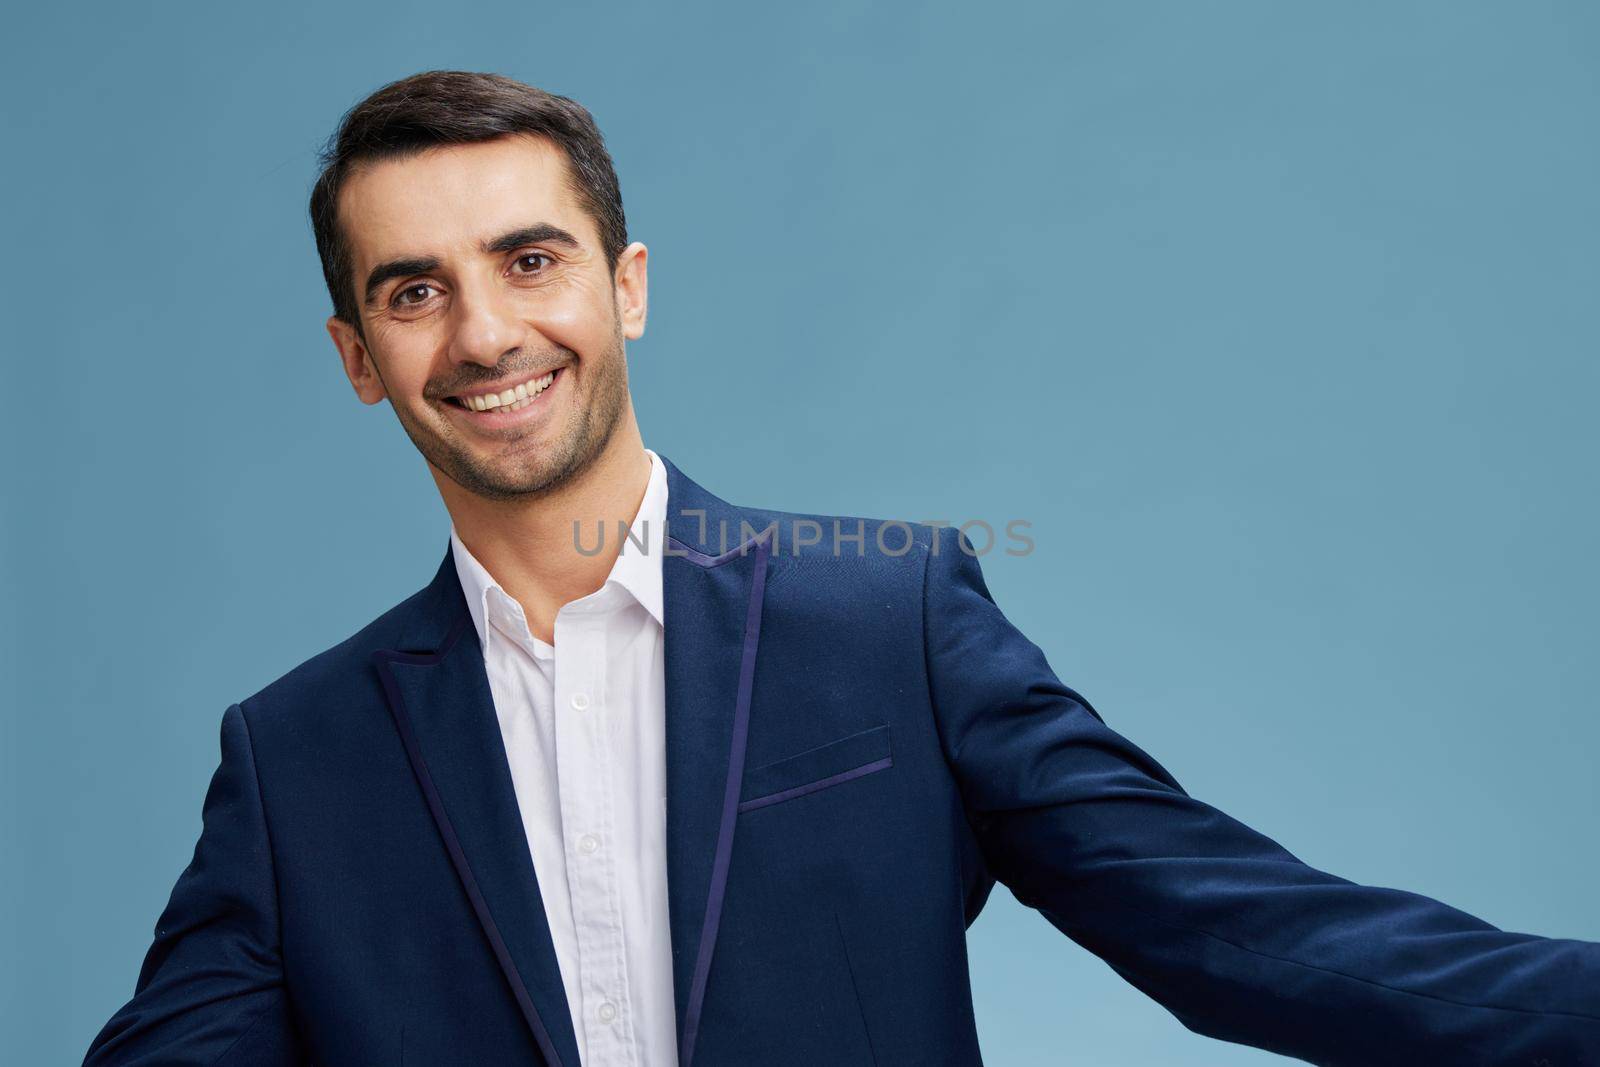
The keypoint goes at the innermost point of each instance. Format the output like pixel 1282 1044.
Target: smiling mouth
pixel 514 398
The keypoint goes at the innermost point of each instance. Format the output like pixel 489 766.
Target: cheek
pixel 579 319
pixel 405 358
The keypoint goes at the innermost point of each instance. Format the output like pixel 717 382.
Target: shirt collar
pixel 638 566
pixel 637 570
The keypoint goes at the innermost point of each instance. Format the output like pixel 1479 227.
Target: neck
pixel 529 546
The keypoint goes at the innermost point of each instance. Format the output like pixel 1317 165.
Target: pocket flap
pixel 817 768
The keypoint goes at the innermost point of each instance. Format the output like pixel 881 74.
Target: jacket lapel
pixel 712 595
pixel 713 580
pixel 444 710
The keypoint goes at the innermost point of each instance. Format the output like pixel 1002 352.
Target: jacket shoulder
pixel 838 559
pixel 333 677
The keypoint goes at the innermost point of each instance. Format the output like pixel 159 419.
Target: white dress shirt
pixel 584 724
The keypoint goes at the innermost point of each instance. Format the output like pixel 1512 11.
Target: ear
pixel 632 291
pixel 358 365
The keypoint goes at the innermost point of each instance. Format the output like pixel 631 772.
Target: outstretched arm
pixel 211 988
pixel 1219 924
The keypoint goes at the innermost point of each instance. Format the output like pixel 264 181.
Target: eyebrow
pixel 538 233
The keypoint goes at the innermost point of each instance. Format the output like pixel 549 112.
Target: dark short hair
pixel 452 107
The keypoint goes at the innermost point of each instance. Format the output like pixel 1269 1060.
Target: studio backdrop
pixel 1273 324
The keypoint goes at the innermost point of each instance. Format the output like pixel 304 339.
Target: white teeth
pixel 512 399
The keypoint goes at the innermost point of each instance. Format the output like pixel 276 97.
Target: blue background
pixel 1277 322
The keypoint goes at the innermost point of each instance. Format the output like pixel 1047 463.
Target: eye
pixel 400 298
pixel 525 257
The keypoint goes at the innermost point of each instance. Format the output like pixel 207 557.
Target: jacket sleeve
pixel 211 988
pixel 1219 924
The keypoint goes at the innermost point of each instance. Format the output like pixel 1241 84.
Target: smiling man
pixel 703 787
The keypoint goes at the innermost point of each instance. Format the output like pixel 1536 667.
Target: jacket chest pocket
pixel 822 767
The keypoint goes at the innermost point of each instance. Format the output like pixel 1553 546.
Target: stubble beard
pixel 529 476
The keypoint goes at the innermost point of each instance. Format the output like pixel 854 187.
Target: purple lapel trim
pixel 383 659
pixel 730 796
pixel 820 783
pixel 694 555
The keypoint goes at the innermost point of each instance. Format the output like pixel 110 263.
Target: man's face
pixel 477 271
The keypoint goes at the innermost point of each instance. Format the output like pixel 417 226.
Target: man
pixel 643 777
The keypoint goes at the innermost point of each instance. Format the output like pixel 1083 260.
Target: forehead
pixel 444 200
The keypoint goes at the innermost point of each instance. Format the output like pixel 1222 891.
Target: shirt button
pixel 580 700
pixel 588 843
pixel 608 1011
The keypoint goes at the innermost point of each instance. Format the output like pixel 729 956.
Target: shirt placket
pixel 584 772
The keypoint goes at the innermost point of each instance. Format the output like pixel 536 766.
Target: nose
pixel 486 326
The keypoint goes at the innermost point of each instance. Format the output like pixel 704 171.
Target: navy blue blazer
pixel 858 746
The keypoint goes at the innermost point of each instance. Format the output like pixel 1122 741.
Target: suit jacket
pixel 859 744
